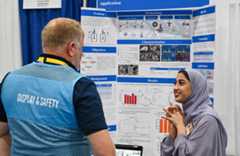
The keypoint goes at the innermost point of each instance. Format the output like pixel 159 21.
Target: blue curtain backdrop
pixel 91 3
pixel 32 22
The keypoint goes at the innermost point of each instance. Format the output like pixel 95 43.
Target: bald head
pixel 59 32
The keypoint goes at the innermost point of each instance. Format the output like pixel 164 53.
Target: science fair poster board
pixel 134 56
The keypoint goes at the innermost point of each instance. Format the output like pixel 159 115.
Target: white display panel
pixel 136 65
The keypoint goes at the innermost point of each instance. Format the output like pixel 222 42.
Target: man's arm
pixel 91 118
pixel 5 140
pixel 102 144
pixel 3 117
pixel 5 143
pixel 3 129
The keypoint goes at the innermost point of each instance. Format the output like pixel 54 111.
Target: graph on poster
pixel 130 99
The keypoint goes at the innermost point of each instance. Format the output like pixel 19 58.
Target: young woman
pixel 197 131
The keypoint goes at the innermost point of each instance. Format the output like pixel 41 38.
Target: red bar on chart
pixel 134 99
pixel 130 99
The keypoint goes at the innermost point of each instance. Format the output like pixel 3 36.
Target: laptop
pixel 128 150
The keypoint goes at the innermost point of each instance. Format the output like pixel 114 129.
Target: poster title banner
pixel 124 5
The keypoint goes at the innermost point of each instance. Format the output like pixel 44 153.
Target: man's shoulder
pixel 84 79
pixel 84 86
pixel 21 68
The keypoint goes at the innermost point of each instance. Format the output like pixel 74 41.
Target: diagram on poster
pixel 100 42
pixel 164 25
pixel 99 27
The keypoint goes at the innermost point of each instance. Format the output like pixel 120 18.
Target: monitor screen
pixel 128 150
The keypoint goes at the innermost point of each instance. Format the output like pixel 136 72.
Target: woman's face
pixel 182 89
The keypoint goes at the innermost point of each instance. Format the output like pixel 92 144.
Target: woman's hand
pixel 172 131
pixel 175 115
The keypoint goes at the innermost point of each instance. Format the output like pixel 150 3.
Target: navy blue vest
pixel 38 100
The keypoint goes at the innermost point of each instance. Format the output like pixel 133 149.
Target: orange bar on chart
pixel 161 125
pixel 165 126
pixel 168 126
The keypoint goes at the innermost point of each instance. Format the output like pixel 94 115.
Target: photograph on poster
pixel 127 69
pixel 175 53
pixel 149 53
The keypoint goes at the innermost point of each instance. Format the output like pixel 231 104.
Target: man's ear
pixel 71 46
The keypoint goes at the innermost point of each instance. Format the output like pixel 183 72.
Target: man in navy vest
pixel 48 107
